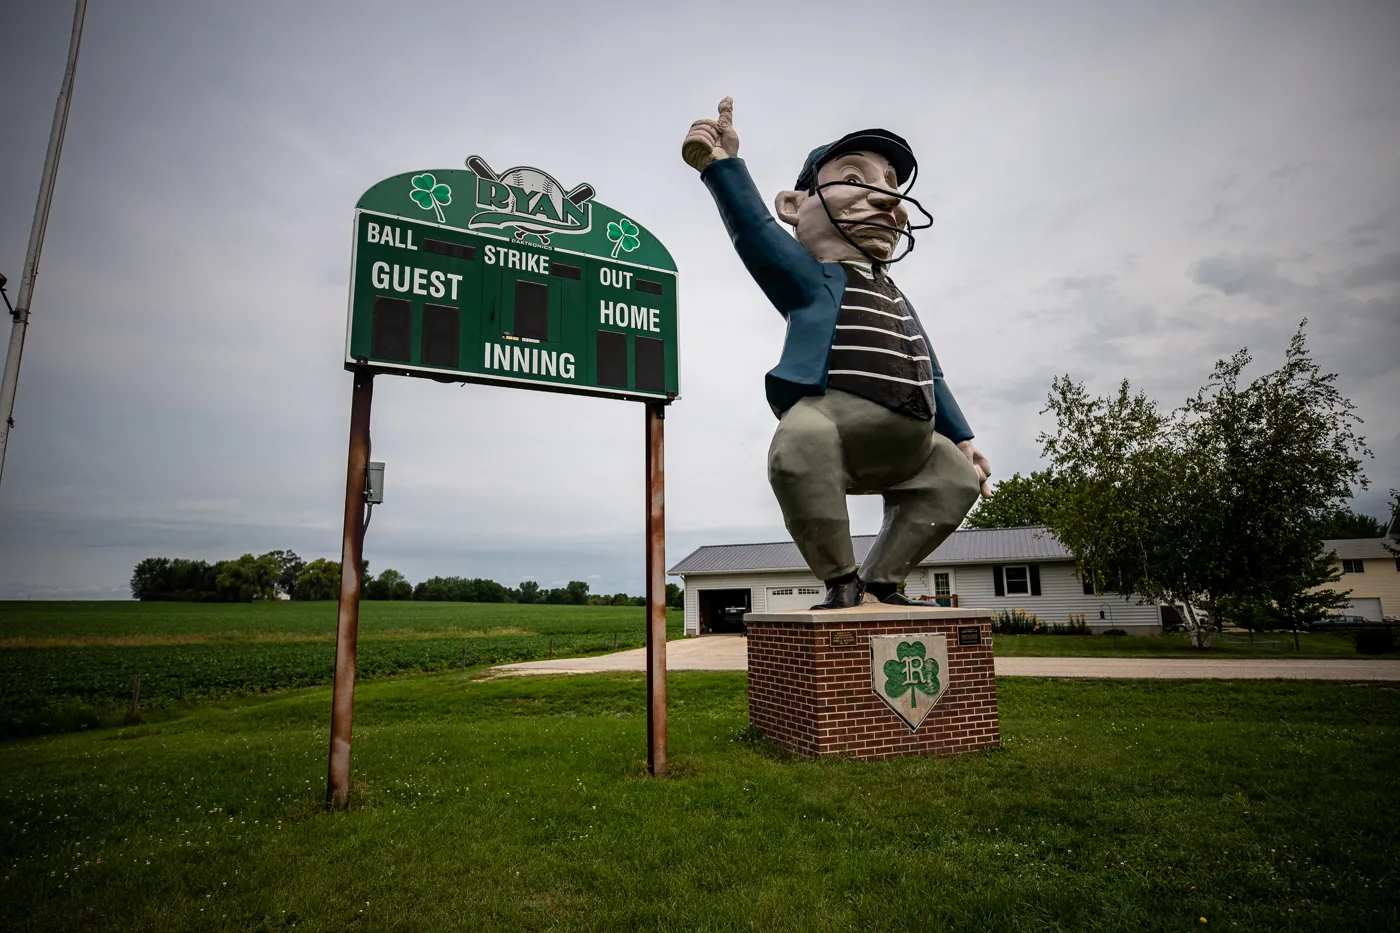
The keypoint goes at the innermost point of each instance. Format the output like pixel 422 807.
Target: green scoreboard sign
pixel 510 279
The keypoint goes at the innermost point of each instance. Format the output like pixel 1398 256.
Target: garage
pixel 722 611
pixel 793 598
pixel 1368 608
pixel 722 580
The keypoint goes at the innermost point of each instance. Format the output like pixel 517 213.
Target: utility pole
pixel 20 313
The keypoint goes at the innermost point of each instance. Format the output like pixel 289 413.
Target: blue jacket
pixel 806 292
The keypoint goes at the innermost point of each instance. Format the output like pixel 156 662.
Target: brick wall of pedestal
pixel 815 698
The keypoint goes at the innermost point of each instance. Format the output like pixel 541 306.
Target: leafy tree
pixel 289 565
pixel 675 597
pixel 319 579
pixel 460 589
pixel 435 589
pixel 175 579
pixel 1221 501
pixel 479 590
pixel 388 585
pixel 1252 615
pixel 148 579
pixel 1286 456
pixel 1118 471
pixel 577 592
pixel 248 578
pixel 528 592
pixel 1300 601
pixel 1017 502
pixel 1345 523
pixel 1394 530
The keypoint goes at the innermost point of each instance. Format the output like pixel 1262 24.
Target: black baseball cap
pixel 887 144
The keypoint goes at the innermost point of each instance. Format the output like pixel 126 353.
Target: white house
pixel 1371 572
pixel 994 568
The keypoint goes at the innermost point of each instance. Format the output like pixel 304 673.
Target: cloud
pixel 182 389
pixel 1252 274
pixel 1109 314
pixel 1376 274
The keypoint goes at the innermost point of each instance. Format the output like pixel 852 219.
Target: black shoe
pixel 843 593
pixel 889 594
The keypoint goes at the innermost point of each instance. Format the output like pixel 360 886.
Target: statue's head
pixel 847 203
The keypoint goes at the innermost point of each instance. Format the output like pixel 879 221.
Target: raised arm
pixel 786 272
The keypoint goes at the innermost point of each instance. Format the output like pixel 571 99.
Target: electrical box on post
pixel 374 483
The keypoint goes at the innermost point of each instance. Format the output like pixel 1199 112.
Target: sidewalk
pixel 710 653
pixel 730 653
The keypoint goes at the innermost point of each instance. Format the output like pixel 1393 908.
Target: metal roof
pixel 1361 548
pixel 966 546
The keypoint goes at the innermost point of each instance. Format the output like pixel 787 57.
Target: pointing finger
pixel 726 113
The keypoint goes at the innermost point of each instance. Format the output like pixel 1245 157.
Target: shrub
pixel 1015 622
pixel 1114 631
pixel 1075 626
pixel 1021 622
pixel 1380 640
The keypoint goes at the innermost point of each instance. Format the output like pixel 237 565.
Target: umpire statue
pixel 861 401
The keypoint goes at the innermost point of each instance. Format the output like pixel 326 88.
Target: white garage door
pixel 792 598
pixel 1368 608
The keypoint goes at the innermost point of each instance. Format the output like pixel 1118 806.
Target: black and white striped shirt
pixel 878 352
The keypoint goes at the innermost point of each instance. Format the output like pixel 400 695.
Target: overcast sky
pixel 1121 189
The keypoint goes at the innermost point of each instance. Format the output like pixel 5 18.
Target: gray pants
pixel 834 445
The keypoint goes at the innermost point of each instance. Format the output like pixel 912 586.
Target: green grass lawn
pixel 1234 645
pixel 521 804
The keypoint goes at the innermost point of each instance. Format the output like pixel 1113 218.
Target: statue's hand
pixel 979 463
pixel 709 140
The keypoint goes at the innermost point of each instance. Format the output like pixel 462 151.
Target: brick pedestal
pixel 810 687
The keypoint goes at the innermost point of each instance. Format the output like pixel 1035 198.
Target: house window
pixel 1088 586
pixel 809 591
pixel 785 591
pixel 941 585
pixel 1018 581
pixel 1353 566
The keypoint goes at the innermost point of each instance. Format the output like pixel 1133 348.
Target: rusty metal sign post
pixel 348 624
pixel 656 588
pixel 509 279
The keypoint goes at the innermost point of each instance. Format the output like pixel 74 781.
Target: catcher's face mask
pixel 907 231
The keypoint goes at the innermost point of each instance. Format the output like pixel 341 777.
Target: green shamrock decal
pixel 911 673
pixel 430 195
pixel 624 236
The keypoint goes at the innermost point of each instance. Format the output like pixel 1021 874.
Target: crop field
pixel 521 803
pixel 71 665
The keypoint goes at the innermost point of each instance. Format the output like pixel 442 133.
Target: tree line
pixel 1221 504
pixel 284 575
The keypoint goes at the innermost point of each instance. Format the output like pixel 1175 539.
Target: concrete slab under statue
pixel 874 681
